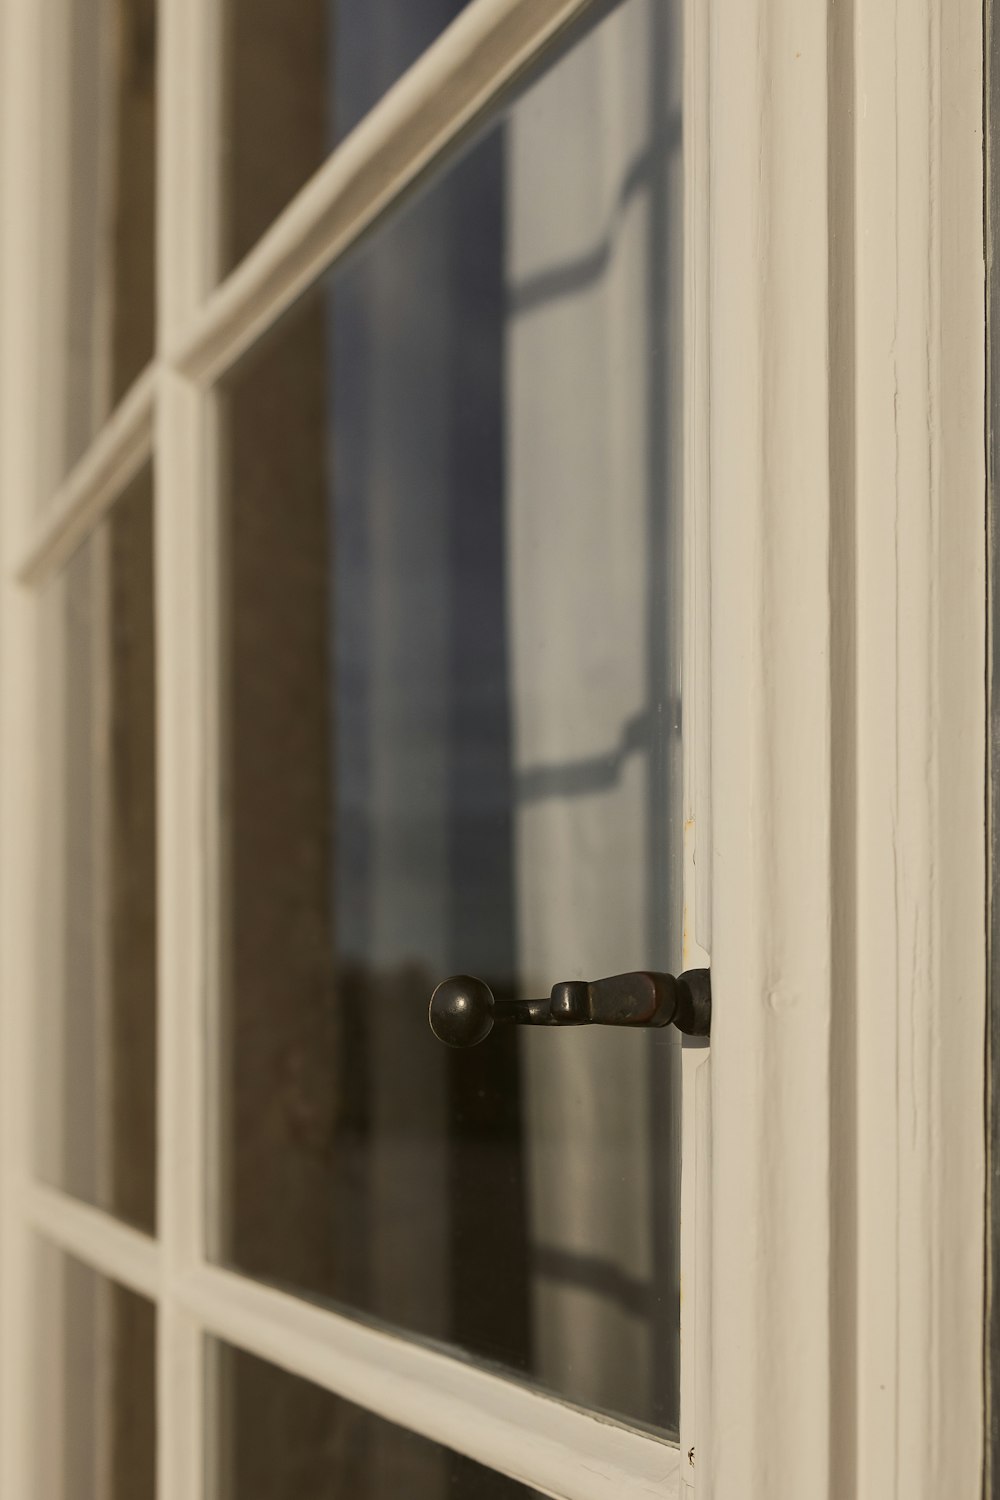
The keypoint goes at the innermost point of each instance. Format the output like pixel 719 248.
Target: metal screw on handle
pixel 463 1010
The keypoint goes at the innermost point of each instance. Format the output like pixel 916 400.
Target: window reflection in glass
pixel 451 730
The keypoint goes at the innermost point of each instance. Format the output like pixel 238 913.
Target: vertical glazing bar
pixel 697 653
pixel 991 1484
pixel 187 200
pixel 184 927
pixel 22 136
pixel 695 737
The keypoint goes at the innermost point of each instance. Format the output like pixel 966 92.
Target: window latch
pixel 463 1010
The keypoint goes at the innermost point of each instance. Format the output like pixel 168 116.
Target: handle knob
pixel 464 1010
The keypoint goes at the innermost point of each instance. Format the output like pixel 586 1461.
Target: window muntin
pixel 285 1438
pixel 297 79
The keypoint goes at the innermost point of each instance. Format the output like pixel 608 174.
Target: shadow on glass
pixel 451 742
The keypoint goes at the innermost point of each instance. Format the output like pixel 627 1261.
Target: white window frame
pixel 848 630
pixel 835 445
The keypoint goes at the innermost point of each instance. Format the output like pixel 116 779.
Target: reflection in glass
pixel 97 1006
pixel 284 1438
pixel 451 743
pixel 298 78
pixel 100 194
pixel 95 1364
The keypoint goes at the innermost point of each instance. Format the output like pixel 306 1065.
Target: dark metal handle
pixel 463 1010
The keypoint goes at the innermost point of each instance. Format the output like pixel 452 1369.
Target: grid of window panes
pixel 448 582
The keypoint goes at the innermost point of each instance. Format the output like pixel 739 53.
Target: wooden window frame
pixel 849 750
pixel 835 749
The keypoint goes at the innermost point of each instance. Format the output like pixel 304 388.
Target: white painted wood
pixel 216 931
pixel 697 665
pixel 189 196
pixel 116 455
pixel 697 745
pixel 188 205
pixel 695 1253
pixel 99 794
pixel 848 621
pixel 96 1238
pixel 774 743
pixel 185 911
pixel 438 100
pixel 921 900
pixel 697 1447
pixel 556 1448
pixel 21 148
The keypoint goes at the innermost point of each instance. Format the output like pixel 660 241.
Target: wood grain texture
pixel 848 629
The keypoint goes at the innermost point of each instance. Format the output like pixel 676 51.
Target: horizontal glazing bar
pixel 99 1240
pixel 114 457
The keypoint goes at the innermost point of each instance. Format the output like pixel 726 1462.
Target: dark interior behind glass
pixel 450 729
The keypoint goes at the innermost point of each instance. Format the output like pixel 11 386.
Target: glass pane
pixel 298 79
pixel 283 1438
pixel 96 1093
pixel 452 736
pixel 95 1364
pixel 100 197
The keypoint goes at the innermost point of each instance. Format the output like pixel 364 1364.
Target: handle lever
pixel 464 1010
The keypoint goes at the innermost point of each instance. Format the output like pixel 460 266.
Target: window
pixel 493 487
pixel 385 683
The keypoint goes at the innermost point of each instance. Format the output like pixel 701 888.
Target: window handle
pixel 463 1010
